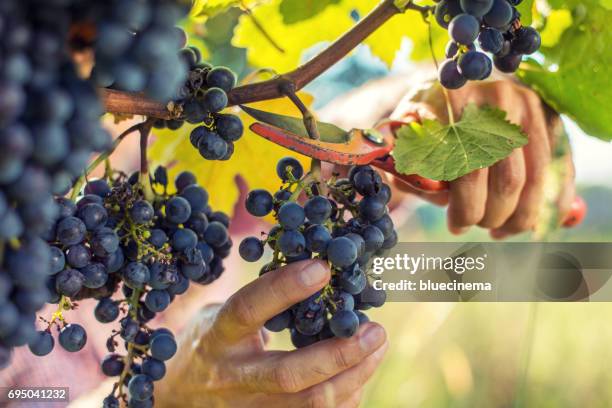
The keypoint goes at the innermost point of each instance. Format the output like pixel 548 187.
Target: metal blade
pixel 328 132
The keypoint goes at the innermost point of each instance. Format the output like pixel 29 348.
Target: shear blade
pixel 335 145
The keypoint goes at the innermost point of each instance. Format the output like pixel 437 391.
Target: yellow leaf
pixel 328 25
pixel 556 23
pixel 386 41
pixel 294 39
pixel 254 158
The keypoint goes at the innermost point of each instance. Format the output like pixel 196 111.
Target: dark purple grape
pixel 449 75
pixel 291 215
pixel 229 127
pixel 344 323
pixel 445 11
pixel 317 209
pixel 73 337
pixel 142 212
pixel 500 14
pixel 291 243
pixel 477 8
pixel 221 77
pixel 214 100
pixel 251 249
pixel 473 65
pixel 42 344
pixel 526 41
pixel 491 40
pixel 508 63
pixel 289 166
pixel 341 252
pixel 464 28
pixel 259 203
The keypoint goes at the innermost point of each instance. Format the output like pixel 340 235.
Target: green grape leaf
pixel 294 11
pixel 575 75
pixel 445 152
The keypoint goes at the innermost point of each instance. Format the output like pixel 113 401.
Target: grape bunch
pixel 115 240
pixel 347 225
pixel 136 46
pixel 202 98
pixel 49 127
pixel 497 27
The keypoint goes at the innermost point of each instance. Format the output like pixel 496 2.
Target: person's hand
pixel 222 362
pixel 506 197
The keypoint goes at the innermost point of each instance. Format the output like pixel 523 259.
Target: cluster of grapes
pixel 167 243
pixel 202 98
pixel 112 238
pixel 338 226
pixel 49 126
pixel 496 24
pixel 136 45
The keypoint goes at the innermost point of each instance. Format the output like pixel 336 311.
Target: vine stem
pixel 76 188
pixel 145 180
pixel 137 104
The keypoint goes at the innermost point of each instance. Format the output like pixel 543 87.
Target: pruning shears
pixel 357 147
pixel 338 146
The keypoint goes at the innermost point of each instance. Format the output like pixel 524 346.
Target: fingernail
pixel 371 338
pixel 313 274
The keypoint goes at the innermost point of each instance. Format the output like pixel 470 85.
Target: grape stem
pixel 136 104
pixel 76 188
pixel 63 304
pixel 287 87
pixel 315 171
pixel 129 359
pixel 145 180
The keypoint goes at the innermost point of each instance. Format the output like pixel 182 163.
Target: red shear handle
pixel 575 217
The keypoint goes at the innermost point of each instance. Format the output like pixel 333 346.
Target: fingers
pixel 247 310
pixel 303 368
pixel 506 181
pixel 537 155
pixel 467 201
pixel 343 386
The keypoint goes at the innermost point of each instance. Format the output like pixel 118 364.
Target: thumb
pixel 247 310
